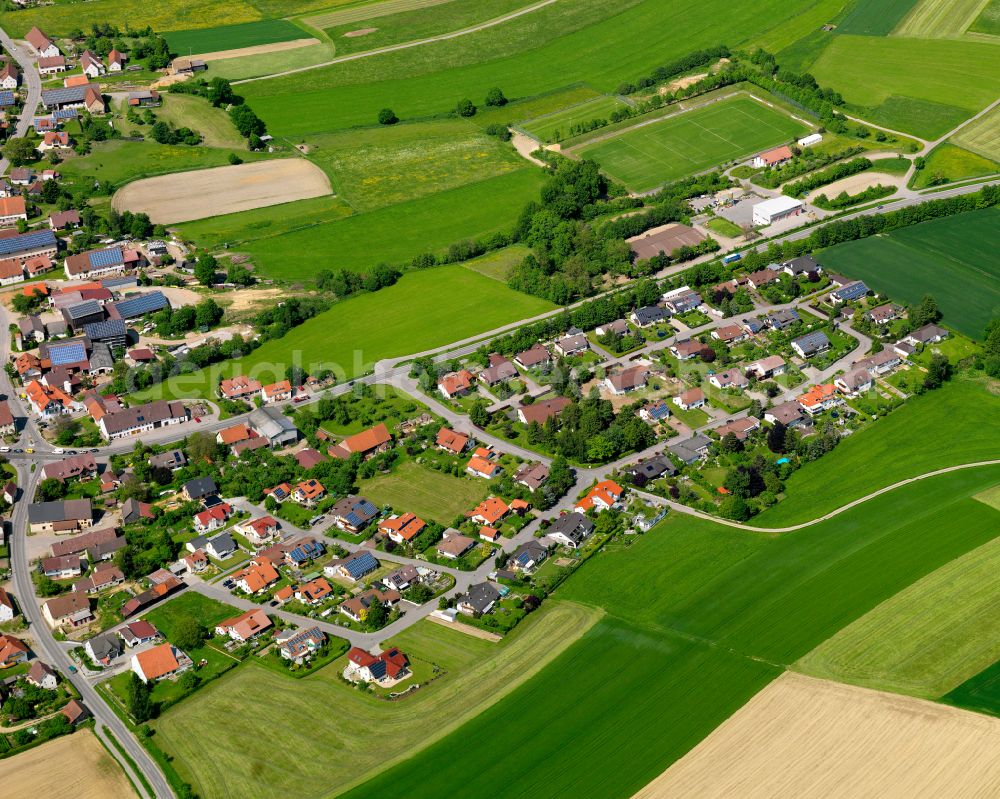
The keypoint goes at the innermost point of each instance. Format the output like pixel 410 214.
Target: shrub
pixel 387 117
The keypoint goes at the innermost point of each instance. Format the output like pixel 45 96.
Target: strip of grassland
pixel 982 136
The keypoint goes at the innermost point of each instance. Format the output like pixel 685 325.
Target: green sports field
pixel 432 495
pixel 338 734
pixel 233 37
pixel 555 127
pixel 649 156
pixel 930 637
pixel 425 309
pixel 965 413
pixel 952 259
pixel 700 617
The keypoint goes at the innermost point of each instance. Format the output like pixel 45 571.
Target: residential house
pixel 783 318
pixel 138 632
pixel 763 277
pixel 453 545
pixel 629 379
pixel 479 600
pixel 883 314
pixel 500 370
pixel 353 514
pixel 572 345
pixel 41 675
pixel 402 578
pixel 804 265
pixel 354 567
pixel 246 626
pixel 8 425
pixel 213 518
pixel 786 413
pixel 63 516
pixel 455 384
pixel 606 494
pixel 12 651
pixel 855 383
pixel 116 61
pixel 688 349
pixel 303 551
pixel 104 648
pixel 134 511
pixel 570 529
pixel 9 77
pixel 819 398
pixel 650 469
pixel 104 576
pixel 402 528
pixel 62 567
pixel 490 511
pixel 299 645
pixel 69 610
pixel 199 488
pixel 234 434
pixel 481 464
pixel 648 316
pixel 91 65
pixel 848 293
pixel 54 140
pixel 12 211
pixel 692 398
pixel 196 562
pixel 731 378
pixel 48 401
pixel 451 441
pixel 532 475
pixel 368 442
pixel 52 65
pixel 766 367
pixel 928 334
pixel 811 344
pixel 527 557
pixel 729 334
pixel 7 609
pixel 259 531
pixel 240 387
pixel 691 450
pixel 357 607
pixel 277 392
pixel 164 660
pixel 309 492
pixel 741 428
pixel 880 363
pixel 314 592
pixel 308 457
pixel 83 466
pixel 541 411
pixel 387 667
pixel 681 300
pixel 173 460
pixel 655 412
pixel 220 546
pixel 536 355
pixel 774 157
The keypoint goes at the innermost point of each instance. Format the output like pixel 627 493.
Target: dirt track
pixel 72 766
pixel 805 738
pixel 184 196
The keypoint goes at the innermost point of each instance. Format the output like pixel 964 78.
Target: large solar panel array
pixel 101 258
pixel 65 113
pixel 70 352
pixel 363 564
pixel 110 328
pixel 141 305
pixel 67 94
pixel 28 241
pixel 81 309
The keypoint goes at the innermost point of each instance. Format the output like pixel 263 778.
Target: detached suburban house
pixel 164 660
pixel 630 379
pixel 811 344
pixel 602 496
pixel 570 529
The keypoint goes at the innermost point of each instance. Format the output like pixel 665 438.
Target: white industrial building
pixel 770 211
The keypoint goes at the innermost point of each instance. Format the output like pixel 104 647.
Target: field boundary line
pixel 825 517
pixel 443 37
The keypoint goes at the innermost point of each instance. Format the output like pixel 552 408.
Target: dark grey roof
pixel 652 468
pixel 83 309
pixel 812 342
pixel 200 487
pixel 106 645
pixel 802 264
pixel 223 542
pixel 43 512
pixel 481 596
pixel 100 357
pixel 26 242
pixel 571 525
pixel 650 314
pixel 170 460
pixel 66 94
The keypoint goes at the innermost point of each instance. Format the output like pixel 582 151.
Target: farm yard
pixel 649 155
pixel 801 737
pixel 906 264
pixel 183 196
pixel 338 750
pixel 78 760
pixel 357 332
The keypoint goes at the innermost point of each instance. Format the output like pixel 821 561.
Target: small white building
pixel 777 208
pixel 810 140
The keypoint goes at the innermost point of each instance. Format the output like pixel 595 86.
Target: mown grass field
pixel 387 165
pixel 401 231
pixel 425 309
pixel 414 23
pixel 432 495
pixel 700 617
pixel 186 110
pixel 988 21
pixel 497 264
pixel 124 161
pixel 875 18
pixel 982 136
pixel 233 37
pixel 253 66
pixel 939 19
pixel 958 78
pixel 356 13
pixel 954 164
pixel 964 413
pixel 930 637
pixel 951 258
pixel 600 42
pixel 338 734
pixel 646 157
pixel 555 127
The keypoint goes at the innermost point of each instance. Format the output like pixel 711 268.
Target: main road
pixel 31 79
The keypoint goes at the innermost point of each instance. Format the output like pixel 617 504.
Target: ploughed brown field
pixel 807 738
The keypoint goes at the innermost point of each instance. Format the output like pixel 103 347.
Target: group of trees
pixel 219 92
pixel 175 322
pixel 344 282
pixel 164 133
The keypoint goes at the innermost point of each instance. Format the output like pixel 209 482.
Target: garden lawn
pixel 378 167
pixel 388 404
pixel 556 126
pixel 207 611
pixel 908 442
pixel 432 495
pixel 646 157
pixel 424 310
pixel 337 732
pixel 598 42
pixel 951 259
pixel 121 162
pixel 958 78
pixel 930 637
pixel 233 37
pixel 397 233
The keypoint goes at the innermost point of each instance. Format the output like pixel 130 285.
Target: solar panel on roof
pixel 28 241
pixel 62 354
pixel 110 328
pixel 85 308
pixel 65 113
pixel 139 306
pixel 6 98
pixel 102 258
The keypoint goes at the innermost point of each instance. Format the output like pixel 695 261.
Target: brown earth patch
pixel 360 32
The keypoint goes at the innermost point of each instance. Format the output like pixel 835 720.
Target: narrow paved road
pixel 490 23
pixel 32 80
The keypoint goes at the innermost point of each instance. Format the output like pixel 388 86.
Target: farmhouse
pixel 41 675
pixel 41 44
pixel 26 246
pixel 71 610
pixel 62 567
pixel 774 210
pixel 12 651
pixel 12 210
pixel 60 517
pixel 811 344
pixel 773 157
pixel 7 611
pixel 141 419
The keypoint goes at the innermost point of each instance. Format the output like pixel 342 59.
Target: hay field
pixel 802 737
pixel 982 136
pixel 185 196
pixel 939 19
pixel 72 767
